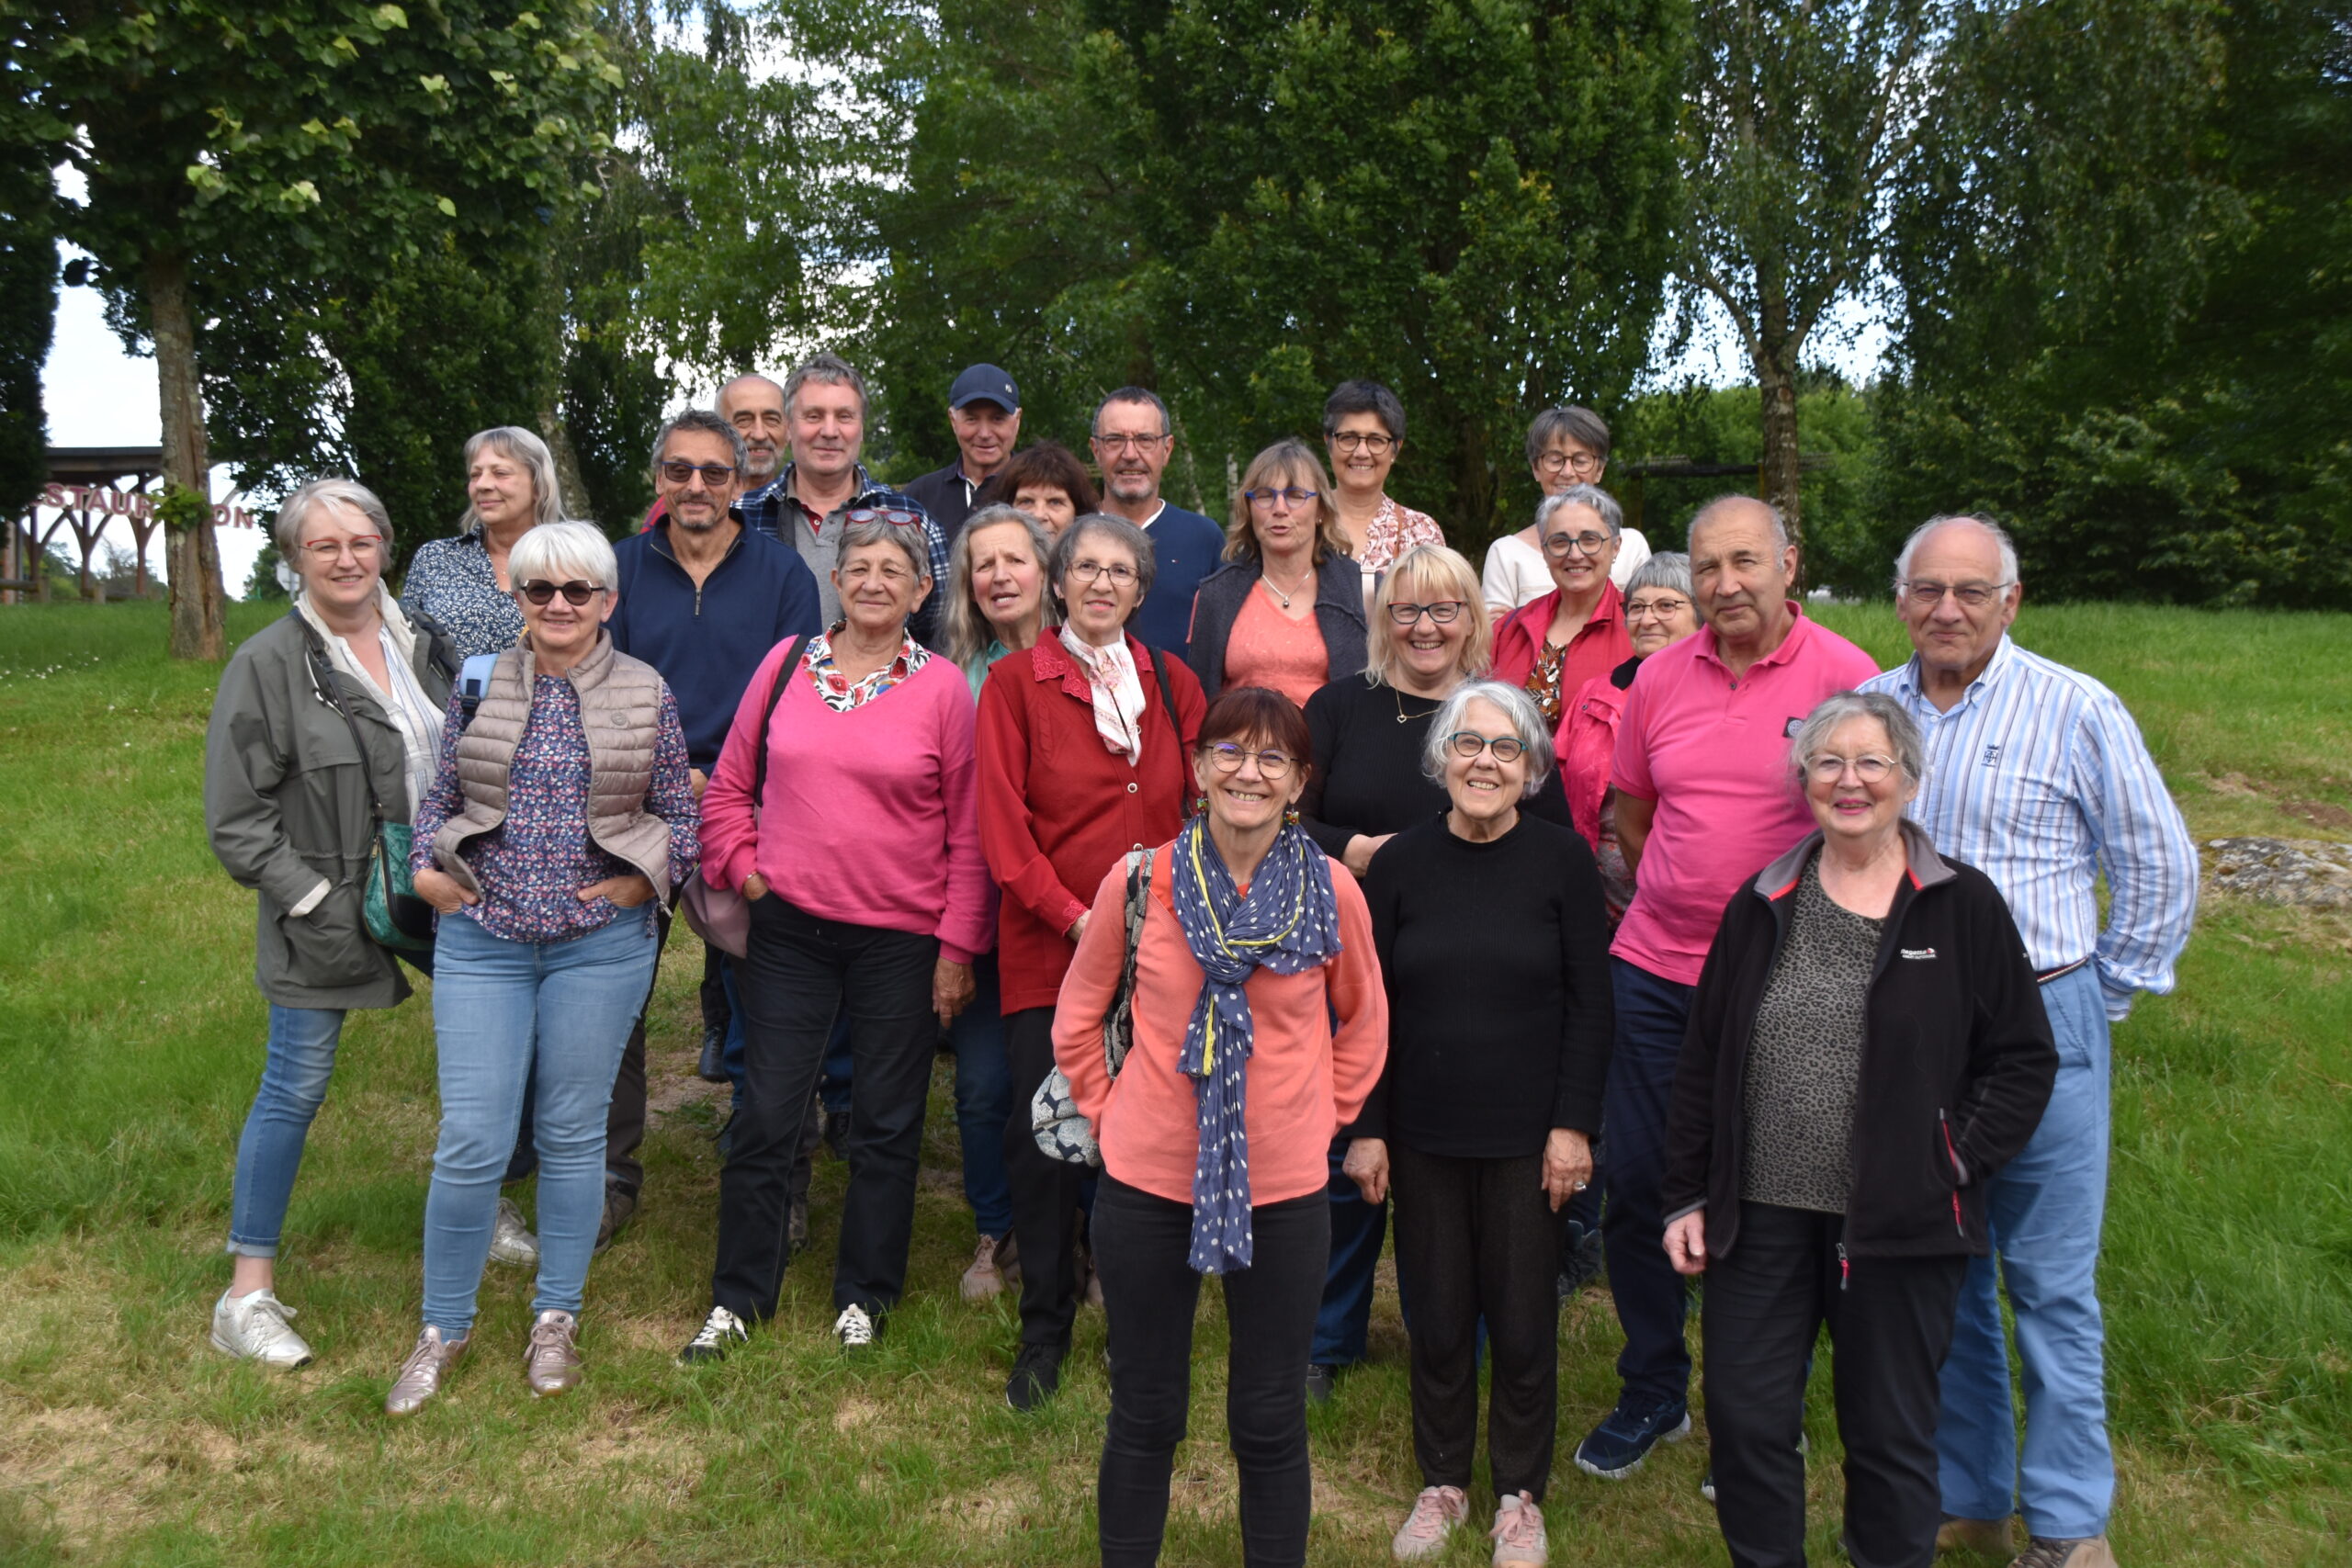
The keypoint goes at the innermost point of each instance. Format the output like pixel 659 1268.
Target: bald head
pixel 1742 567
pixel 1740 508
pixel 754 406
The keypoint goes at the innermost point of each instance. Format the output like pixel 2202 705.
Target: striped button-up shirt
pixel 2038 778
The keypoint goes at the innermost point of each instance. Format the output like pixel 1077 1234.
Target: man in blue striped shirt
pixel 2038 776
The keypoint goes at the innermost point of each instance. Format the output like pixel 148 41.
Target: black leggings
pixel 1141 1245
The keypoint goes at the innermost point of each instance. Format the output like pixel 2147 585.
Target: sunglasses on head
pixel 574 593
pixel 899 516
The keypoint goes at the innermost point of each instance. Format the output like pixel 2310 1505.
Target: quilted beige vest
pixel 620 704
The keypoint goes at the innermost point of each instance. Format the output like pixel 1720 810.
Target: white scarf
pixel 405 704
pixel 1118 692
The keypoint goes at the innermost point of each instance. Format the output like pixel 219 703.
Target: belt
pixel 2061 972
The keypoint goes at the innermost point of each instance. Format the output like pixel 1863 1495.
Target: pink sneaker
pixel 1435 1514
pixel 1519 1533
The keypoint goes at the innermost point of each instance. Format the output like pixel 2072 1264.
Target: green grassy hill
pixel 130 1045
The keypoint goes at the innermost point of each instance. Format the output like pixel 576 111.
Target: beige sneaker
pixel 420 1376
pixel 2087 1551
pixel 551 1356
pixel 1989 1538
pixel 1436 1514
pixel 1519 1533
pixel 253 1328
pixel 984 1280
pixel 511 1241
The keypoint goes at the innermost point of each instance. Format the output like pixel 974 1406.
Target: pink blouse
pixel 1268 649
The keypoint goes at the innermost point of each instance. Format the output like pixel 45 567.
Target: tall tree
pixel 298 139
pixel 27 321
pixel 1799 123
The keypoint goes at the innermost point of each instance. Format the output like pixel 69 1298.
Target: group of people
pixel 1302 868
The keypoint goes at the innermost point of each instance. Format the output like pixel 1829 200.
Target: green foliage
pixel 262 584
pixel 28 318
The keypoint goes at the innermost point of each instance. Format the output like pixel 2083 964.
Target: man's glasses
pixel 360 547
pixel 1227 757
pixel 1362 441
pixel 1466 746
pixel 1442 612
pixel 1292 494
pixel 1869 768
pixel 1128 443
pixel 678 471
pixel 1121 574
pixel 574 593
pixel 1976 595
pixel 1559 546
pixel 1560 462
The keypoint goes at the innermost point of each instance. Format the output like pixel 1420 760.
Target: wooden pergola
pixel 88 488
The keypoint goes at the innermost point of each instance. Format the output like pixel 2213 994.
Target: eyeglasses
pixel 1442 612
pixel 360 546
pixel 678 471
pixel 1294 495
pixel 1466 746
pixel 1582 462
pixel 574 593
pixel 1123 442
pixel 1976 595
pixel 1559 544
pixel 1363 440
pixel 1870 768
pixel 1121 574
pixel 896 516
pixel 1665 607
pixel 1227 758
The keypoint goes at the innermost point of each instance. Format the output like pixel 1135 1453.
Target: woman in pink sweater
pixel 854 833
pixel 1260 1025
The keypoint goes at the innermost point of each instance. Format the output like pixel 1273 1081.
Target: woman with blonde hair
pixel 462 583
pixel 1286 610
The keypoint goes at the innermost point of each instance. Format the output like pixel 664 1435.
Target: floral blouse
pixel 1393 530
pixel 841 694
pixel 533 866
pixel 453 581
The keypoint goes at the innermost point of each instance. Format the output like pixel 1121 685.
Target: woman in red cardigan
pixel 1080 758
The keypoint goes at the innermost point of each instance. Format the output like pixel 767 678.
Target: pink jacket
pixel 1587 745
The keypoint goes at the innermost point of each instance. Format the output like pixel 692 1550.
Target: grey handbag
pixel 1054 1119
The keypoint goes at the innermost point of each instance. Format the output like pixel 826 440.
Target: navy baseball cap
pixel 984 384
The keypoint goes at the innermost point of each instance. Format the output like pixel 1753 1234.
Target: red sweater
pixel 1305 1082
pixel 1059 808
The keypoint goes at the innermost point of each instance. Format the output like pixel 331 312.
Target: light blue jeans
pixel 293 1086
pixel 498 1006
pixel 2046 1209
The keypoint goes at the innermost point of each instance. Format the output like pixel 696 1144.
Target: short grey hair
pixel 1902 732
pixel 564 552
pixel 826 369
pixel 1705 514
pixel 2008 547
pixel 1133 395
pixel 1526 722
pixel 1666 569
pixel 1591 496
pixel 1579 425
pixel 707 423
pixel 525 448
pixel 296 508
pixel 967 624
pixel 911 537
pixel 1120 532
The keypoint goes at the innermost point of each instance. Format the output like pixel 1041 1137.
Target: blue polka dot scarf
pixel 1289 922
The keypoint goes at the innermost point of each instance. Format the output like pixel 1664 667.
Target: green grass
pixel 130 1045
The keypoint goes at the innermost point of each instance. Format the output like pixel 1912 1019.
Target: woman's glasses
pixel 1121 574
pixel 1294 495
pixel 1666 606
pixel 1466 746
pixel 1827 769
pixel 1444 612
pixel 1372 442
pixel 360 546
pixel 1227 758
pixel 574 593
pixel 1559 544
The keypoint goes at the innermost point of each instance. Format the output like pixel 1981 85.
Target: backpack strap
pixel 473 683
pixel 1160 658
pixel 1137 906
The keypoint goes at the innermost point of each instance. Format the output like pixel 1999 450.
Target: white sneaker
pixel 1435 1514
pixel 253 1328
pixel 1519 1533
pixel 854 1328
pixel 511 1241
pixel 720 1333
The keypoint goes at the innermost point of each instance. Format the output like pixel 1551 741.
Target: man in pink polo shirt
pixel 1703 801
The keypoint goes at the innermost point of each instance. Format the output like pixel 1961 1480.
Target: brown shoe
pixel 551 1356
pixel 420 1376
pixel 2085 1551
pixel 1987 1538
pixel 984 1280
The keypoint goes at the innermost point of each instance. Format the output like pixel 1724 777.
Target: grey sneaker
pixel 983 1280
pixel 1437 1512
pixel 511 1241
pixel 2082 1551
pixel 420 1376
pixel 720 1333
pixel 854 1327
pixel 551 1356
pixel 1519 1533
pixel 253 1328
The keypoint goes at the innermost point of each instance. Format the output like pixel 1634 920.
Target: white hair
pixel 1526 722
pixel 563 552
pixel 2001 539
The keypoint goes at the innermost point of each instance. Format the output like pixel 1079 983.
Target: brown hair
pixel 1295 462
pixel 1049 463
pixel 1247 713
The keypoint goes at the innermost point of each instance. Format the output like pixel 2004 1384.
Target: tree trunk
pixel 1780 472
pixel 199 610
pixel 577 501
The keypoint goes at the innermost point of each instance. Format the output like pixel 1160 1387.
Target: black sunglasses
pixel 574 593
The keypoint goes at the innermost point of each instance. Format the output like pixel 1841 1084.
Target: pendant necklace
pixel 1285 598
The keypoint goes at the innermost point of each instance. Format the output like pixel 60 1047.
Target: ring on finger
pixel 1582 1185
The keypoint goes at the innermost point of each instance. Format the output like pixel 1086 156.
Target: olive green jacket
pixel 286 804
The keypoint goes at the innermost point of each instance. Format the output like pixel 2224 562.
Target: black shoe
pixel 720 1333
pixel 712 1068
pixel 620 1207
pixel 1036 1373
pixel 1320 1381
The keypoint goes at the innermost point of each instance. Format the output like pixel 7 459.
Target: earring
pixel 1290 817
pixel 1201 804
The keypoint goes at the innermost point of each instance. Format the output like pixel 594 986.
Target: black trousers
pixel 799 970
pixel 623 1121
pixel 1150 1291
pixel 1889 1324
pixel 1477 1237
pixel 1044 1190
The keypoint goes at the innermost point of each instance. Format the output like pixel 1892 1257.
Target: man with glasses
pixel 2038 776
pixel 825 488
pixel 1703 800
pixel 1132 441
pixel 984 410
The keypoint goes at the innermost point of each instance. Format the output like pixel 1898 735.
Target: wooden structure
pixel 88 488
pixel 1679 467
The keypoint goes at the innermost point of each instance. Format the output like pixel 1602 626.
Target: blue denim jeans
pixel 502 1009
pixel 983 1100
pixel 1651 1012
pixel 2046 1208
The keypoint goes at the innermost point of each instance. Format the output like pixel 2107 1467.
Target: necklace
pixel 1267 579
pixel 1402 716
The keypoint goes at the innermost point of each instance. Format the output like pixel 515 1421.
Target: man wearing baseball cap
pixel 984 409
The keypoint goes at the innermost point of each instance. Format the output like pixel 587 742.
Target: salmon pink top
pixel 1269 649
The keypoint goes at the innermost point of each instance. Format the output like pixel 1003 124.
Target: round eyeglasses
pixel 1466 746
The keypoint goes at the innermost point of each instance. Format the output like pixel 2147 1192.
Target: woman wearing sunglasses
pixel 1494 953
pixel 1553 646
pixel 561 816
pixel 1286 610
pixel 1260 1025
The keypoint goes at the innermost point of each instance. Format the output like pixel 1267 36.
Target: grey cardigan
pixel 1339 613
pixel 285 803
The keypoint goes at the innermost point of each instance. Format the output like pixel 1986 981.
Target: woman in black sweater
pixel 1494 944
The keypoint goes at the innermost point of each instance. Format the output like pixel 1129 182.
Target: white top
pixel 1516 573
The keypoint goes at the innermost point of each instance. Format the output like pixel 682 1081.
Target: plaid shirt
pixel 765 509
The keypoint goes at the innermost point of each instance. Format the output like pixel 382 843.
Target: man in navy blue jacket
pixel 1133 440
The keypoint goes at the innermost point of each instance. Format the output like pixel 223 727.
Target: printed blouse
pixel 453 581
